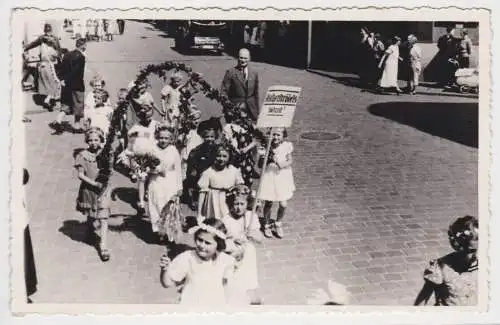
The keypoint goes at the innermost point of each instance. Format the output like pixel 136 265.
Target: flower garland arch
pixel 194 84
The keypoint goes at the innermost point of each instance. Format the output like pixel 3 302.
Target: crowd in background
pixel 381 61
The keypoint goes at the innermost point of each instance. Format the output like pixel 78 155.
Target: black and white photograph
pixel 249 163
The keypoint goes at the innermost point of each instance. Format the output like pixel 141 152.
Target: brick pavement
pixel 370 208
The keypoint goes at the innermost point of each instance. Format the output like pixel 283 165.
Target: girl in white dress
pixel 243 230
pixel 391 58
pixel 97 84
pixel 204 271
pixel 277 184
pixel 100 115
pixel 171 100
pixel 165 180
pixel 214 183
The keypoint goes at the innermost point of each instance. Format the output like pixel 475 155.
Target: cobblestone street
pixel 373 202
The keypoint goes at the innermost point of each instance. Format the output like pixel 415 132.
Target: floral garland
pixel 194 84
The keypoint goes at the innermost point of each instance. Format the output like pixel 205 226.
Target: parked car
pixel 200 35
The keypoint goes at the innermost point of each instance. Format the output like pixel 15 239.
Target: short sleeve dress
pixel 454 284
pixel 89 199
pixel 245 276
pixel 203 280
pixel 216 183
pixel 277 183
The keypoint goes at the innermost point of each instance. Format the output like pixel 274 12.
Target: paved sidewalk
pixel 371 207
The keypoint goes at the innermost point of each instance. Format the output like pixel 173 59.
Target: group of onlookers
pixel 380 64
pixel 96 29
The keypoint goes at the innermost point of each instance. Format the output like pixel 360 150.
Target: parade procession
pixel 197 151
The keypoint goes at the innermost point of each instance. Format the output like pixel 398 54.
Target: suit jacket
pixel 238 90
pixel 72 70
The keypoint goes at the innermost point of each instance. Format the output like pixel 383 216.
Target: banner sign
pixel 279 106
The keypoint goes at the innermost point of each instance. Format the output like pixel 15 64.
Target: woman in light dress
pixel 389 64
pixel 415 63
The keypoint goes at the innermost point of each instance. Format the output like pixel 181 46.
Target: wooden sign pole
pixel 264 165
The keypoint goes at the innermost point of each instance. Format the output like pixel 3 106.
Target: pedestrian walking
pixel 452 279
pixel 165 181
pixel 414 63
pixel 377 52
pixel 464 50
pixel 49 84
pixel 243 232
pixel 73 91
pixel 241 85
pixel 121 26
pixel 277 184
pixel 214 184
pixel 389 63
pixel 447 45
pixel 204 271
pixel 93 196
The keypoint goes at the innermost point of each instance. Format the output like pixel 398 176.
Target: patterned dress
pixel 454 284
pixel 216 183
pixel 89 199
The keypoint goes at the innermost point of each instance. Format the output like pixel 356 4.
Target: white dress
pixel 147 132
pixel 89 102
pixel 100 117
pixel 390 73
pixel 163 187
pixel 216 183
pixel 245 277
pixel 203 279
pixel 277 184
pixel 172 98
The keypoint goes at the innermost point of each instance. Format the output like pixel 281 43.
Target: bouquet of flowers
pixel 143 158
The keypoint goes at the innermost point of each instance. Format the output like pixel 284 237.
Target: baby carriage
pixel 466 79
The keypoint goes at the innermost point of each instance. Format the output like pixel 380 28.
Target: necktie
pixel 245 74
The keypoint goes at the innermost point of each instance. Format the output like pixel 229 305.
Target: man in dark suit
pixel 241 85
pixel 73 92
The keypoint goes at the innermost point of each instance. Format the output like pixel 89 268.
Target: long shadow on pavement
pixel 75 230
pixel 126 194
pixel 457 122
pixel 140 227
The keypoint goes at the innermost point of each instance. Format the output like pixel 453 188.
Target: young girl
pixel 100 115
pixel 205 270
pixel 192 137
pixel 97 84
pixel 165 180
pixel 277 184
pixel 144 129
pixel 214 183
pixel 243 230
pixel 453 278
pixel 199 159
pixel 93 198
pixel 171 99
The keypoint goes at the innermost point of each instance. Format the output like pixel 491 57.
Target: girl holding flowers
pixel 452 279
pixel 165 182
